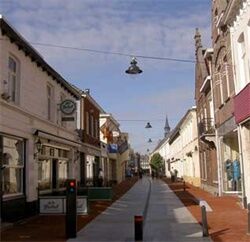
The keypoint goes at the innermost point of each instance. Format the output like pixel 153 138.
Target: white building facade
pixel 240 36
pixel 39 144
pixel 183 149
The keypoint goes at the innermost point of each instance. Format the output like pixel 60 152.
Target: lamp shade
pixel 148 125
pixel 133 69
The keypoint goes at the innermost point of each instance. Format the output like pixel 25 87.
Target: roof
pixel 29 51
pixel 176 130
pixel 86 94
pixel 109 116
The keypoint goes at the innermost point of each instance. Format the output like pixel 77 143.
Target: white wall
pixel 30 113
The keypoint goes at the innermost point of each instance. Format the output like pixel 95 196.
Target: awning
pixel 57 138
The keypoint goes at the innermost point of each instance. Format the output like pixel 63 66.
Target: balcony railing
pixel 206 127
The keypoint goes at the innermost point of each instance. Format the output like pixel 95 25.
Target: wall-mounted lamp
pixel 76 156
pixel 38 146
pixel 148 125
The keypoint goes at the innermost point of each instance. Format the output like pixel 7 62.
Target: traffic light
pixel 72 186
pixel 71 215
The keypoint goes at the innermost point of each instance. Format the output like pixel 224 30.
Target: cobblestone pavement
pixel 227 221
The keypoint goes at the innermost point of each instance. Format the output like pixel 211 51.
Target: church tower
pixel 167 127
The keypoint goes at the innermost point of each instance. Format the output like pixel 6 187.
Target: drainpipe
pixel 218 156
pixel 244 201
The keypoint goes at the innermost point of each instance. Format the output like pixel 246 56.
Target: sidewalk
pixel 227 221
pixel 52 227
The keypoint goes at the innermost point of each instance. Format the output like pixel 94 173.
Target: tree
pixel 157 162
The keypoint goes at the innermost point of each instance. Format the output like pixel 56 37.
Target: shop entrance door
pixel 54 173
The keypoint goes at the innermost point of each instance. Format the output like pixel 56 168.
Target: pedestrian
pixel 153 174
pixel 100 178
pixel 175 174
pixel 172 174
pixel 140 173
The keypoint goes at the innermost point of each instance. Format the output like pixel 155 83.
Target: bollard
pixel 184 186
pixel 248 219
pixel 204 222
pixel 138 220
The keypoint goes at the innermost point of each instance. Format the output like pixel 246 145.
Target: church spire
pixel 167 127
pixel 197 38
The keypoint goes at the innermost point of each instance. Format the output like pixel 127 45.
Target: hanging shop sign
pixel 68 107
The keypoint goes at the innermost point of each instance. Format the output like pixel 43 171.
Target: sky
pixel 151 28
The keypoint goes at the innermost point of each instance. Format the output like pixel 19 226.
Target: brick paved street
pixel 227 221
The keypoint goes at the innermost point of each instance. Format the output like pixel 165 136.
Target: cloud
pixel 163 28
pixel 128 27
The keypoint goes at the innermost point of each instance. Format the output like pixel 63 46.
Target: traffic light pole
pixel 71 213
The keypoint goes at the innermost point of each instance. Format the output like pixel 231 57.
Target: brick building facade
pixel 205 117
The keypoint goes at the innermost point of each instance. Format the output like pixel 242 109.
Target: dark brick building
pixel 205 116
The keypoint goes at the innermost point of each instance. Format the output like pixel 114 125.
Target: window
pixel 44 174
pixel 226 78
pixel 50 102
pixel 62 98
pixel 243 62
pixel 13 79
pixel 13 163
pixel 97 128
pixel 219 88
pixel 63 170
pixel 87 123
pixel 92 125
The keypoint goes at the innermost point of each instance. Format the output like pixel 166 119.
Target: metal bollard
pixel 204 222
pixel 248 219
pixel 138 220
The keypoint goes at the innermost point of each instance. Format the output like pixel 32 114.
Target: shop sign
pixel 51 205
pixel 82 207
pixel 57 205
pixel 112 148
pixel 68 107
pixel 68 118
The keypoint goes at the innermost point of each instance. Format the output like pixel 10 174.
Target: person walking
pixel 100 178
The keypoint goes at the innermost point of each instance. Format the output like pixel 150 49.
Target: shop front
pixel 230 164
pixel 13 159
pixel 89 169
pixel 57 160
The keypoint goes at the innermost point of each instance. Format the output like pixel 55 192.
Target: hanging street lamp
pixel 149 140
pixel 133 69
pixel 148 125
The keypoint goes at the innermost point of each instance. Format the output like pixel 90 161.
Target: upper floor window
pixel 218 88
pixel 91 125
pixel 63 123
pixel 87 122
pixel 13 79
pixel 50 102
pixel 97 128
pixel 226 78
pixel 243 63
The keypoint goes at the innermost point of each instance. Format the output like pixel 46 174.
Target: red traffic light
pixel 72 184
